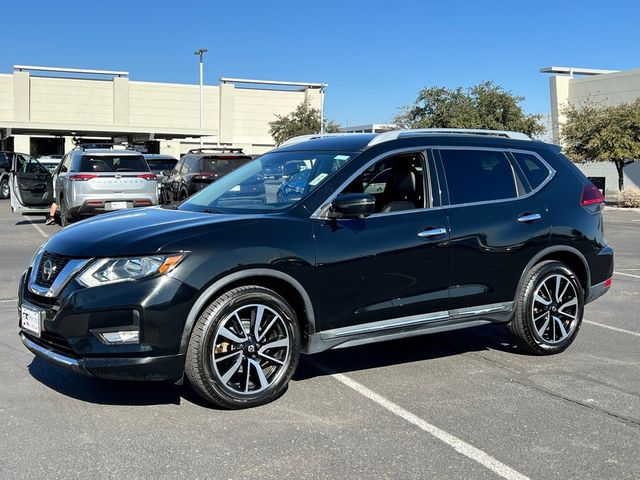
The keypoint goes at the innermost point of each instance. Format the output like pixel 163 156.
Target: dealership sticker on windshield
pixel 30 320
pixel 318 179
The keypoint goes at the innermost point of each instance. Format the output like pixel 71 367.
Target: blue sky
pixel 375 56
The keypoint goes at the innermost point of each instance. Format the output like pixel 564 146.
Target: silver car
pixel 93 179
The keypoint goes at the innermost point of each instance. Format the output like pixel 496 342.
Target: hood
pixel 141 231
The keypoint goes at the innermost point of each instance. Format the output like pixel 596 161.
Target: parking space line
pixel 37 227
pixel 457 444
pixel 9 300
pixel 615 329
pixel 627 274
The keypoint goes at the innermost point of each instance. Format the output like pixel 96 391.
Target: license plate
pixel 31 320
pixel 116 205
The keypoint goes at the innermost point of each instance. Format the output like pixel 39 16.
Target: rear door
pixel 32 184
pixel 497 224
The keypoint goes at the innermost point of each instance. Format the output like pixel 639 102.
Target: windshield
pixel 113 163
pixel 158 165
pixel 272 182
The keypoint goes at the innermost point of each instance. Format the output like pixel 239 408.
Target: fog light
pixel 118 338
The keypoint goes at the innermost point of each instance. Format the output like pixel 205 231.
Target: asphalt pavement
pixel 465 404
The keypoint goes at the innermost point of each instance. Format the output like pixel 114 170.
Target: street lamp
pixel 200 52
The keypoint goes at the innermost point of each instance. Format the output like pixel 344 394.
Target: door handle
pixel 529 217
pixel 432 232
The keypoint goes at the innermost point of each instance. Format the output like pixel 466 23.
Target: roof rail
pixel 395 134
pixel 86 145
pixel 216 149
pixel 313 136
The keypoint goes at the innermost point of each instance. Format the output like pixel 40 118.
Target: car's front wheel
pixel 244 348
pixel 549 309
pixel 4 188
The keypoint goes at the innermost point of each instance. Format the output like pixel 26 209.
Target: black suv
pixel 394 235
pixel 200 167
pixel 6 159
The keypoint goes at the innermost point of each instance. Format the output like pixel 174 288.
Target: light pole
pixel 322 87
pixel 200 52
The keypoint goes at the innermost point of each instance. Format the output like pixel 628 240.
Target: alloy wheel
pixel 555 309
pixel 4 189
pixel 251 349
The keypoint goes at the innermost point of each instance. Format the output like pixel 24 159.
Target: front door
pixel 32 184
pixel 391 265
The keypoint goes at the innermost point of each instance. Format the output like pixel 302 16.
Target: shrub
pixel 629 197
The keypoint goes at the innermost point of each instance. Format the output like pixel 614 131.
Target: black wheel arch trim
pixel 555 249
pixel 247 274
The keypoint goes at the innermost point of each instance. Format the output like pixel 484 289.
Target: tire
pixel 183 195
pixel 548 314
pixel 4 188
pixel 231 365
pixel 65 218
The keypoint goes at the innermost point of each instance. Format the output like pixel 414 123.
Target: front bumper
pixel 166 367
pixel 157 307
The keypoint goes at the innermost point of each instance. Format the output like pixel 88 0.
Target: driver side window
pixel 397 183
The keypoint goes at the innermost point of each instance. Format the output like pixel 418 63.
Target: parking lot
pixel 463 404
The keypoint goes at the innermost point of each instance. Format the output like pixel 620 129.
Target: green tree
pixel 304 120
pixel 603 133
pixel 485 105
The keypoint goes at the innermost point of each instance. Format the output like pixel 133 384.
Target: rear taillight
pixel 608 282
pixel 81 177
pixel 148 176
pixel 142 203
pixel 591 195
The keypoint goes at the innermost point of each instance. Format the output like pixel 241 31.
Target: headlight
pixel 111 270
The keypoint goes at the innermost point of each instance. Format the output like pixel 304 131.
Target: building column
pixel 225 126
pixel 559 91
pixel 120 101
pixel 21 97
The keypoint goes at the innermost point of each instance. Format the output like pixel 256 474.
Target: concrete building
pixel 575 86
pixel 43 109
pixel 369 128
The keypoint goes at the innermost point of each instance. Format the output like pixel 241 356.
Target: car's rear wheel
pixel 244 348
pixel 4 188
pixel 549 309
pixel 65 218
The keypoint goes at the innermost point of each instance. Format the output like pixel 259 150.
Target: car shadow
pixel 101 391
pixel 408 350
pixel 396 352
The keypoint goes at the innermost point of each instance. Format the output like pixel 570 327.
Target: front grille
pixel 49 268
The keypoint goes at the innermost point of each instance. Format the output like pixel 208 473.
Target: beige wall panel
pixel 171 105
pixel 71 101
pixel 6 97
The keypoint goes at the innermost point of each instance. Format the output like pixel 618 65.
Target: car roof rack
pixel 313 136
pixel 395 134
pixel 216 150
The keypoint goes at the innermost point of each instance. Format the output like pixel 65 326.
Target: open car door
pixel 31 185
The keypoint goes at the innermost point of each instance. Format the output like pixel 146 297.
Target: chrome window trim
pixel 72 267
pixel 551 170
pixel 321 211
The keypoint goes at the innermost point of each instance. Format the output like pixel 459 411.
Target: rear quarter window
pixel 113 163
pixel 477 175
pixel 223 165
pixel 534 170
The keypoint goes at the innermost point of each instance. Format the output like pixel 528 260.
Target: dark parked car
pixel 200 167
pixel 161 164
pixel 5 166
pixel 394 235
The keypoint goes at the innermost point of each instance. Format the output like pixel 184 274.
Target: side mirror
pixel 352 205
pixel 167 173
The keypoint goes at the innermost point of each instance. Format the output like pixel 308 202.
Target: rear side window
pixel 223 165
pixel 4 160
pixel 161 164
pixel 533 169
pixel 477 176
pixel 113 163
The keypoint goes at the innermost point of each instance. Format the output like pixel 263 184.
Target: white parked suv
pixel 97 178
